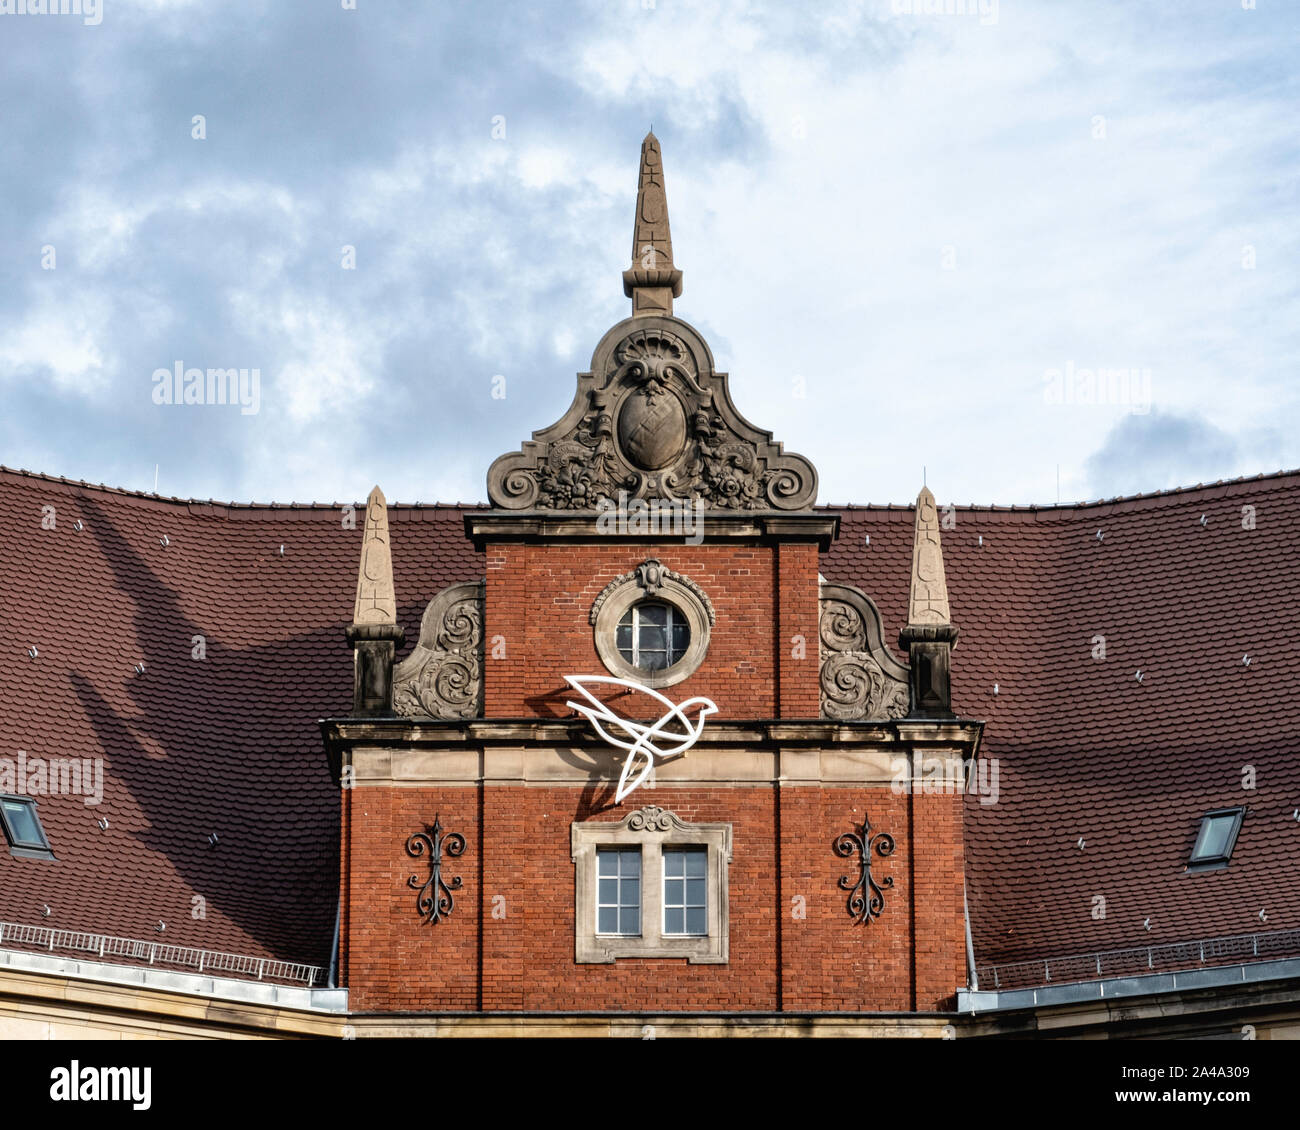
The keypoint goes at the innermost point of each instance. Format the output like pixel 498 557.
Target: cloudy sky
pixel 913 238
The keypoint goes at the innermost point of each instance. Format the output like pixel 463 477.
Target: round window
pixel 653 636
pixel 651 626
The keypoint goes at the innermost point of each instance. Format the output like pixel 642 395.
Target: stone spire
pixel 374 633
pixel 652 282
pixel 928 603
pixel 376 602
pixel 929 636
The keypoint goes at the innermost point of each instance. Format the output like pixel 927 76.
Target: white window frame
pixel 674 616
pixel 687 599
pixel 619 879
pixel 651 829
pixel 686 905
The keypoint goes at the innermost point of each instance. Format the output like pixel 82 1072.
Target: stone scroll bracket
pixel 443 675
pixel 860 678
pixel 652 420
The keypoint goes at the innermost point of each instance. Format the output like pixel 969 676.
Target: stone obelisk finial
pixel 928 603
pixel 376 602
pixel 652 282
pixel 929 635
pixel 374 633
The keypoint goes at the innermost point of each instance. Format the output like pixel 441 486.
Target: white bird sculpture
pixel 641 733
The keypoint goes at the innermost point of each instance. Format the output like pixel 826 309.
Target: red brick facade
pixel 509 943
pixel 765 596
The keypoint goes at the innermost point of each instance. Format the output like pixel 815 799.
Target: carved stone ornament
pixel 652 420
pixel 652 282
pixel 860 678
pixel 654 819
pixel 650 576
pixel 652 579
pixel 443 676
pixel 928 599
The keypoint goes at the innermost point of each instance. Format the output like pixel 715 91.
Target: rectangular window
pixel 685 885
pixel 22 828
pixel 618 894
pixel 650 886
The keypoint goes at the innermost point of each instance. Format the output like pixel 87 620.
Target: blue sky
pixel 907 235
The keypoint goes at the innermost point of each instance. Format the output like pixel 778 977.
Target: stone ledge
pixel 40 989
pixel 633 1026
pixel 378 738
pixel 763 526
pixel 577 731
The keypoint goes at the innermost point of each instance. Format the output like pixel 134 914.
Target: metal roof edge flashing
pixel 1111 988
pixel 163 980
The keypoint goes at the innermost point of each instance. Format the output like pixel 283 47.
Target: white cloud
pixel 61 340
pixel 820 168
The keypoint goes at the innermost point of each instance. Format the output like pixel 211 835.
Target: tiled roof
pixel 229 743
pixel 1087 752
pixel 226 744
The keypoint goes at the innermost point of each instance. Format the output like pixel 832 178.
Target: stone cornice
pixel 714 526
pixel 577 731
pixel 342 735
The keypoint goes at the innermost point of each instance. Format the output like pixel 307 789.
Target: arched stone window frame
pixel 651 582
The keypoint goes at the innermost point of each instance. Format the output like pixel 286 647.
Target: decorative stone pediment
pixel 860 678
pixel 443 676
pixel 652 420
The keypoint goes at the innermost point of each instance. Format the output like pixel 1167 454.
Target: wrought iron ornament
pixel 867 899
pixel 435 900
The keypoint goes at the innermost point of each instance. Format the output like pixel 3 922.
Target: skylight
pixel 22 828
pixel 1216 838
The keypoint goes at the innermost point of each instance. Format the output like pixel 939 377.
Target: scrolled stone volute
pixel 860 678
pixel 443 675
